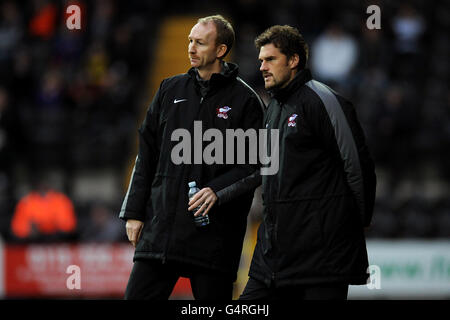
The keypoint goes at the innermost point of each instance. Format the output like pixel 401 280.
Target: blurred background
pixel 71 102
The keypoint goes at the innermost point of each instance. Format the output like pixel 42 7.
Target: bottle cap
pixel 192 184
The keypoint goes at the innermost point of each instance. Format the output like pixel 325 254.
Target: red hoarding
pixel 71 270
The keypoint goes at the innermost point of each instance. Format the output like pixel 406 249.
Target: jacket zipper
pixel 164 254
pixel 274 180
pixel 274 220
pixel 281 133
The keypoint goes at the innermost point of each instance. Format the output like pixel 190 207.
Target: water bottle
pixel 199 221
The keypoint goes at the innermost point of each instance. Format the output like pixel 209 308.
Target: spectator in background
pixel 22 85
pixel 10 33
pixel 10 140
pixel 48 121
pixel 44 215
pixel 375 50
pixel 103 19
pixel 396 120
pixel 43 21
pixel 408 27
pixel 333 57
pixel 103 225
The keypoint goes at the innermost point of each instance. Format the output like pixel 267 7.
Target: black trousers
pixel 256 290
pixel 152 280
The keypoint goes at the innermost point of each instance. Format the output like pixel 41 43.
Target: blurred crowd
pixel 71 101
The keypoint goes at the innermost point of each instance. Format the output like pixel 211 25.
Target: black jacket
pixel 158 190
pixel 317 204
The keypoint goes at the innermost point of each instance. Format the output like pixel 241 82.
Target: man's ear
pixel 221 49
pixel 294 61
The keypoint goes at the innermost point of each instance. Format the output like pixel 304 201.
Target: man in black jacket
pixel 311 242
pixel 159 216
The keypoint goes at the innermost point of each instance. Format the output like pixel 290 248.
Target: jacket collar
pixel 299 80
pixel 229 72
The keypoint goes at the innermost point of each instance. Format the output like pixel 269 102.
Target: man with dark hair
pixel 311 242
pixel 288 40
pixel 160 222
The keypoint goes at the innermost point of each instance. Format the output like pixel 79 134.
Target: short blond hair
pixel 225 32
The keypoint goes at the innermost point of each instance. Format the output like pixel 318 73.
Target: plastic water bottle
pixel 199 221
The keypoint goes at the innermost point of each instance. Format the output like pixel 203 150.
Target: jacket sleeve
pixel 367 175
pixel 336 124
pixel 138 193
pixel 246 177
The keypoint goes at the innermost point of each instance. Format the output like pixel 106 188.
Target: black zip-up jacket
pixel 158 190
pixel 316 206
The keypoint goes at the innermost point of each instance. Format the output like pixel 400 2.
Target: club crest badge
pixel 292 121
pixel 222 112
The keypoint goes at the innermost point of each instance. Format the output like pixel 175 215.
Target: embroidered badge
pixel 222 112
pixel 292 122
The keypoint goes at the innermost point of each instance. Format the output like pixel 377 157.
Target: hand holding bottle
pixel 201 201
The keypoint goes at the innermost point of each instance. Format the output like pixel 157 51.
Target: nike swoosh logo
pixel 176 101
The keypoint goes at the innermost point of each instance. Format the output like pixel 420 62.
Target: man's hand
pixel 204 198
pixel 134 229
